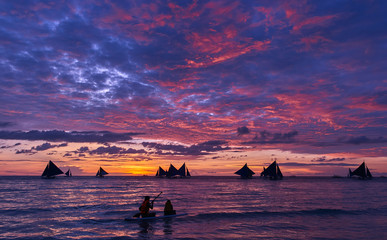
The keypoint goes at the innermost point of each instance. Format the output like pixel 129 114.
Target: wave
pixel 311 212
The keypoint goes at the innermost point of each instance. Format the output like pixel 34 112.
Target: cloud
pixel 6 124
pixel 16 144
pixel 115 150
pixel 324 159
pixel 194 150
pixel 296 164
pixel 47 145
pixel 191 71
pixel 25 151
pixel 83 149
pixel 266 137
pixel 363 140
pixel 56 136
pixel 43 147
pixel 243 130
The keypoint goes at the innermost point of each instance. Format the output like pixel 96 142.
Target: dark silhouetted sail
pixel 362 171
pixel 161 172
pixel 279 173
pixel 245 172
pixel 369 173
pixel 51 170
pixel 273 172
pixel 101 172
pixel 183 171
pixel 68 173
pixel 172 171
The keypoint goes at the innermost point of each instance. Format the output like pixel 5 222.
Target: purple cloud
pixel 55 136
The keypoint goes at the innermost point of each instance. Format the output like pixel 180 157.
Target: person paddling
pixel 145 207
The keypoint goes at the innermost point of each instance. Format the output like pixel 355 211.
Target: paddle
pixel 139 214
pixel 156 198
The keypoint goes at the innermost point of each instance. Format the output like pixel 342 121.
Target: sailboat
pixel 272 172
pixel 172 171
pixel 362 171
pixel 68 173
pixel 51 170
pixel 183 172
pixel 245 172
pixel 101 172
pixel 161 172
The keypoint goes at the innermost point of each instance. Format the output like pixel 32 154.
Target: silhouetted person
pixel 145 207
pixel 168 208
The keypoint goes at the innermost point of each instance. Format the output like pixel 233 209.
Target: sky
pixel 134 85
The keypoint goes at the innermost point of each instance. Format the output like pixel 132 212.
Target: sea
pixel 216 207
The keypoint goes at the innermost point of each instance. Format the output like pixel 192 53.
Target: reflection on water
pixel 218 208
pixel 168 227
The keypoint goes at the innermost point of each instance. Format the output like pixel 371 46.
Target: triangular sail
pixel 101 172
pixel 183 171
pixel 161 172
pixel 245 172
pixel 362 171
pixel 172 171
pixel 68 173
pixel 279 173
pixel 369 173
pixel 272 171
pixel 51 170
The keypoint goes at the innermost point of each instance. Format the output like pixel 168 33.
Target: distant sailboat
pixel 68 173
pixel 362 171
pixel 101 172
pixel 272 172
pixel 51 170
pixel 183 171
pixel 161 172
pixel 172 171
pixel 245 172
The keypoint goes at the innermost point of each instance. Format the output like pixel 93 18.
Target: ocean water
pixel 217 208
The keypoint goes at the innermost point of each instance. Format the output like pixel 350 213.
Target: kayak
pixel 133 219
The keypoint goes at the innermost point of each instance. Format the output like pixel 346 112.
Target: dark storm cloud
pixel 56 136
